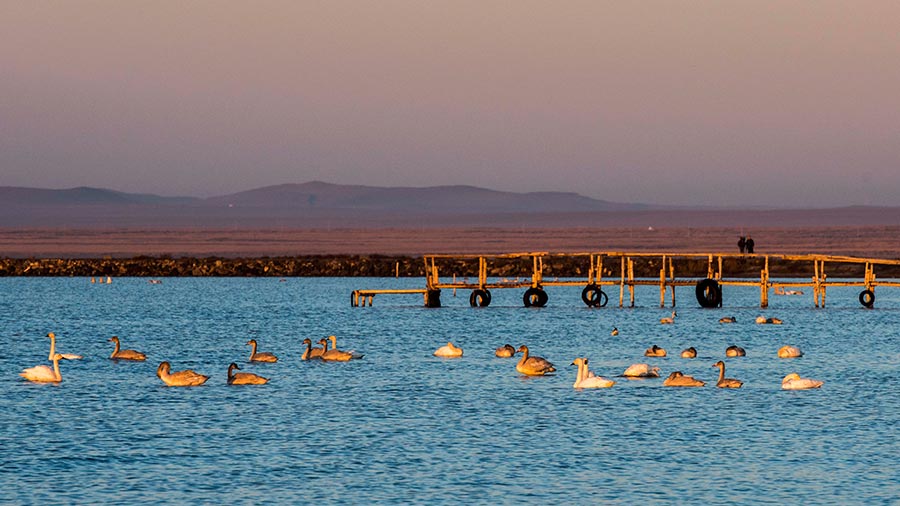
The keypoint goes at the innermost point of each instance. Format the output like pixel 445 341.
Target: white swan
pixel 789 352
pixel 43 373
pixel 793 381
pixel 448 351
pixel 762 320
pixel 67 356
pixel 615 332
pixel 586 379
pixel 641 371
pixel 670 319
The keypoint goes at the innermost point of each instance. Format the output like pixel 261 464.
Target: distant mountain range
pixel 324 205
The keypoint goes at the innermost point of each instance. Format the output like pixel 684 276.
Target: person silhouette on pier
pixel 750 244
pixel 741 243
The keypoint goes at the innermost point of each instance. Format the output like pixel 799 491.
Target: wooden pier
pixel 707 290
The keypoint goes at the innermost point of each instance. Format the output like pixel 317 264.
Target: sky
pixel 739 103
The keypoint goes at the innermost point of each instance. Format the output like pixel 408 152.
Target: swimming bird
pixel 186 378
pixel 311 353
pixel 735 351
pixel 689 353
pixel 67 356
pixel 723 381
pixel 727 319
pixel 448 351
pixel 779 290
pixel 762 320
pixel 43 373
pixel 263 356
pixel 678 379
pixel 670 319
pixel 655 351
pixel 118 354
pixel 789 352
pixel 334 355
pixel 353 353
pixel 584 378
pixel 641 371
pixel 615 332
pixel 533 365
pixel 793 381
pixel 244 378
pixel 505 351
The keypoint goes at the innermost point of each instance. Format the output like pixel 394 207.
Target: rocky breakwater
pixel 387 266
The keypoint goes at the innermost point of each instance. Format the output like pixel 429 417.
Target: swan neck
pixel 252 348
pixel 524 357
pixel 56 372
pixel 116 351
pixel 721 372
pixel 52 347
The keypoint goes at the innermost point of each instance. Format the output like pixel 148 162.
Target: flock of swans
pixel 188 377
pixel 529 365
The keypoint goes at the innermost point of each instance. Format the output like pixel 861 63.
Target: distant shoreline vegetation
pixel 385 266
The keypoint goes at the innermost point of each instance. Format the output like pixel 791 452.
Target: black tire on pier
pixel 594 296
pixel 535 297
pixel 709 293
pixel 867 298
pixel 480 298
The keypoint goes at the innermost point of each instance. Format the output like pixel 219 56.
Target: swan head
pixel 579 361
pixel 251 342
pixel 522 349
pixel 322 341
pixel 51 335
pixel 232 367
pixel 719 364
pixel 307 341
pixel 164 367
pixel 790 377
pixel 676 374
pixel 114 339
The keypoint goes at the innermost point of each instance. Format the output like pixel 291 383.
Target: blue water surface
pixel 403 426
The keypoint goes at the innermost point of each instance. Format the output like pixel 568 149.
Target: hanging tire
pixel 593 296
pixel 480 298
pixel 709 293
pixel 433 298
pixel 535 297
pixel 867 298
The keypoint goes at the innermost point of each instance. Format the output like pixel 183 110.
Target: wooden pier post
pixel 631 280
pixel 824 282
pixel 662 282
pixel 622 285
pixel 764 285
pixel 672 277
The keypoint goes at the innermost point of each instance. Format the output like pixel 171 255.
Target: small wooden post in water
pixel 622 285
pixel 662 282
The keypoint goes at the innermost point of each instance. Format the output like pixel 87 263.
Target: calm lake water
pixel 403 426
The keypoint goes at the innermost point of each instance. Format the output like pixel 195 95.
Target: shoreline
pixel 395 266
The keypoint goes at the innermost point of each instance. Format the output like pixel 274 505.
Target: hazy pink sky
pixel 693 102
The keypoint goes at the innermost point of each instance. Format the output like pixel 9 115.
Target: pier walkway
pixel 601 265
